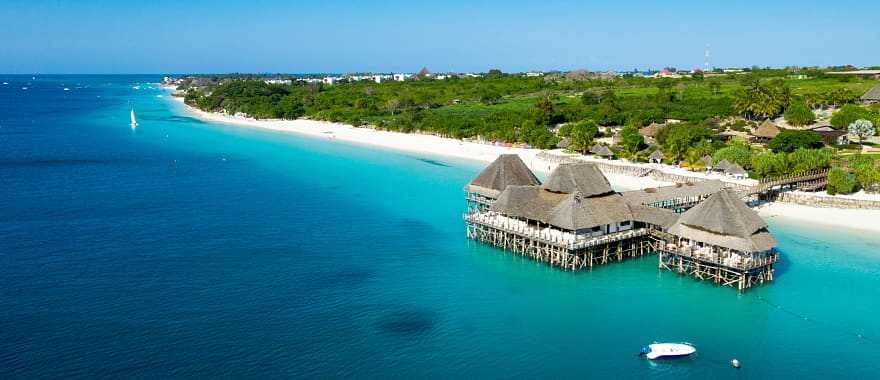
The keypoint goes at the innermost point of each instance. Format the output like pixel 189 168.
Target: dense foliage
pixel 799 114
pixel 841 182
pixel 515 108
pixel 789 140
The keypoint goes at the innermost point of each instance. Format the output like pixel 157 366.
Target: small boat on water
pixel 667 350
pixel 134 123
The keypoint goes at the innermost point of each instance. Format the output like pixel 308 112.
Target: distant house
pixel 400 77
pixel 831 136
pixel 707 162
pixel 766 131
pixel 285 82
pixel 650 131
pixel 601 151
pixel 736 171
pixel 872 96
pixel 329 80
pixel 657 157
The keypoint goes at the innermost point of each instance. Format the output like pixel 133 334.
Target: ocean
pixel 190 249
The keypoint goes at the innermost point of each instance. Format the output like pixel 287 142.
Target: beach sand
pixel 868 220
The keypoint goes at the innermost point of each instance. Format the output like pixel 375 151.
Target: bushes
pixel 840 182
pixel 737 153
pixel 798 114
pixel 778 164
pixel 789 140
pixel 849 114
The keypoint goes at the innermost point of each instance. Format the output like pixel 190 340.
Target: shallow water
pixel 193 249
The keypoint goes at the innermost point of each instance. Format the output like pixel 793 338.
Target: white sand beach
pixel 433 145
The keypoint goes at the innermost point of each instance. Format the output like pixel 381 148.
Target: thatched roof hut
pixel 724 220
pixel 506 170
pixel 564 143
pixel 657 156
pixel 572 211
pixel 677 191
pixel 601 150
pixel 707 162
pixel 650 130
pixel 585 178
pixel 722 165
pixel 735 170
pixel 766 131
pixel 575 196
pixel 873 95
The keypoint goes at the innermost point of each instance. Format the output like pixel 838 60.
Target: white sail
pixel 133 120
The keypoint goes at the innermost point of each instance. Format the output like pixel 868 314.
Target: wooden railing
pixel 581 243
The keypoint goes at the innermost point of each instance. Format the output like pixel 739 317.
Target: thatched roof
pixel 582 177
pixel 724 220
pixel 735 169
pixel 652 215
pixel 601 150
pixel 682 190
pixel 707 161
pixel 506 170
pixel 766 130
pixel 722 165
pixel 657 155
pixel 873 94
pixel 650 130
pixel 564 143
pixel 571 211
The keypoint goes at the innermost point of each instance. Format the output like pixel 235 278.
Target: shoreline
pixel 860 220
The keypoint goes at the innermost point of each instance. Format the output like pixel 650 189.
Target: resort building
pixel 506 170
pixel 575 220
pixel 873 95
pixel 723 240
pixel 601 151
pixel 765 132
pixel 831 136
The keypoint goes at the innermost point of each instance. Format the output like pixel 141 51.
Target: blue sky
pixel 161 36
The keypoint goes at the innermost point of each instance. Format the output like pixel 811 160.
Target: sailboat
pixel 134 122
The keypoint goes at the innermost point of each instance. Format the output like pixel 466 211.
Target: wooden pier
pixel 577 255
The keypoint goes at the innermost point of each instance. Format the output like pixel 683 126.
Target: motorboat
pixel 667 350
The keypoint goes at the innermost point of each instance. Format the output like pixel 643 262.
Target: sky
pixel 264 36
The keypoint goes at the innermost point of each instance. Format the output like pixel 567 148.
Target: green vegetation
pixel 520 109
pixel 841 182
pixel 499 106
pixel 849 113
pixel 799 114
pixel 789 140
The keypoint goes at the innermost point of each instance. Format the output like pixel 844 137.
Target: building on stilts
pixel 575 220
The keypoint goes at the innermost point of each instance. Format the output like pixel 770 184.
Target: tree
pixel 840 182
pixel 714 86
pixel 798 114
pixel 760 100
pixel 847 115
pixel 862 129
pixel 735 153
pixel 582 135
pixel 543 110
pixel 789 140
pixel 392 105
pixel 679 138
pixel 631 140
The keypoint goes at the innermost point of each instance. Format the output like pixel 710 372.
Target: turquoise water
pixel 191 249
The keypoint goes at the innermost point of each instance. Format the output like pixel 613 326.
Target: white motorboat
pixel 667 350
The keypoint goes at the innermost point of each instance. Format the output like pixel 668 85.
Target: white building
pixel 285 82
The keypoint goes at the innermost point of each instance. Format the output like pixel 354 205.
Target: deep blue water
pixel 189 249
